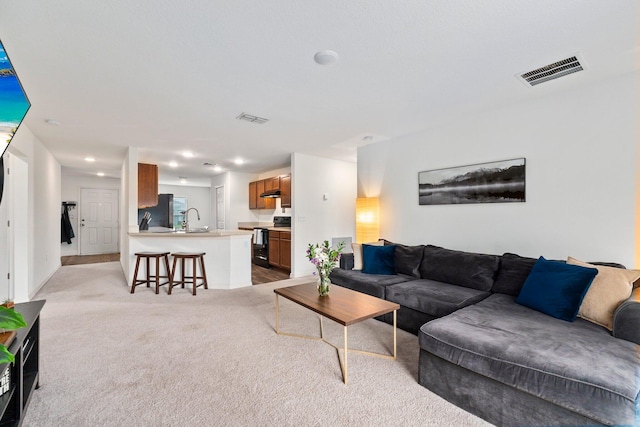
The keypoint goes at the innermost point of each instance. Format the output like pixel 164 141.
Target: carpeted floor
pixel 109 358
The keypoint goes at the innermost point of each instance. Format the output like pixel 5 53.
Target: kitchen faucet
pixel 185 223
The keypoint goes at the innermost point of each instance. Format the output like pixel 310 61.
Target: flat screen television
pixel 14 105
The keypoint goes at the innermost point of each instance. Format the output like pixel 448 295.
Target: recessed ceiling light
pixel 238 161
pixel 217 168
pixel 173 164
pixel 89 159
pixel 188 154
pixel 367 138
pixel 100 174
pixel 52 122
pixel 325 57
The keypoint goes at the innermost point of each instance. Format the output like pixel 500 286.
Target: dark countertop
pixel 279 229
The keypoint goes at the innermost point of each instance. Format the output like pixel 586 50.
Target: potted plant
pixel 9 320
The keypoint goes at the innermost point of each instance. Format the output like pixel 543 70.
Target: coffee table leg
pixel 346 368
pixel 277 313
pixel 394 334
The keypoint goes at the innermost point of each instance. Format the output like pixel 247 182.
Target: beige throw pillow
pixel 357 253
pixel 607 291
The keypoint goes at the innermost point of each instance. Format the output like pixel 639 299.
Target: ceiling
pixel 168 76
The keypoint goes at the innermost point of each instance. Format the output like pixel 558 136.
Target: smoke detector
pixel 253 119
pixel 553 71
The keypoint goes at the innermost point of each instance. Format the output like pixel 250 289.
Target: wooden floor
pixel 259 275
pixel 89 259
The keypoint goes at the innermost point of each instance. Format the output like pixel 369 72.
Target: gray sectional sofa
pixel 507 363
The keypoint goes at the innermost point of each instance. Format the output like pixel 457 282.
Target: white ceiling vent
pixel 253 119
pixel 553 71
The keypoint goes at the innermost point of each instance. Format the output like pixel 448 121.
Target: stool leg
pixel 194 275
pixel 166 266
pixel 135 275
pixel 173 273
pixel 182 272
pixel 157 275
pixel 204 273
pixel 148 279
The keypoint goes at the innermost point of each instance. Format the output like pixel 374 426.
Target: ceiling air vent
pixel 552 71
pixel 253 119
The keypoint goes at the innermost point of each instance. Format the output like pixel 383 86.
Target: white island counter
pixel 227 259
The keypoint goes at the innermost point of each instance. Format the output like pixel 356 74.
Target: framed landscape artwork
pixel 495 182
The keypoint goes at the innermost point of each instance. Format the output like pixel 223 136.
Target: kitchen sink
pixel 194 230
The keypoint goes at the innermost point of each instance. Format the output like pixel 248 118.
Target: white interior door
pixel 98 221
pixel 220 207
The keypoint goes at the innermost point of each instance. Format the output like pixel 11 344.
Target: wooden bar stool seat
pixel 149 278
pixel 193 278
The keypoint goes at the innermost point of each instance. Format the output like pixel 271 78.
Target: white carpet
pixel 109 358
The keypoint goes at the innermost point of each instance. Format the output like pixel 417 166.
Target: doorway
pixel 220 208
pixel 98 221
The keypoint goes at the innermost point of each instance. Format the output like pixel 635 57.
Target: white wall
pixel 315 219
pixel 197 197
pixel 43 215
pixel 71 191
pixel 580 150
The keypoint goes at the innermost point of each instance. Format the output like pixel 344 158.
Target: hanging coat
pixel 66 229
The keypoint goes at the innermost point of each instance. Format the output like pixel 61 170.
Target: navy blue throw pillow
pixel 556 288
pixel 378 259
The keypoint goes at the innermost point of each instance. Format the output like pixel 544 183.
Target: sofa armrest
pixel 346 261
pixel 626 319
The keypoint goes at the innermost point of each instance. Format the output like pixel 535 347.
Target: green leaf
pixel 5 355
pixel 11 319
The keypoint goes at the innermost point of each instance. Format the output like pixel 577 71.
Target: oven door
pixel 261 247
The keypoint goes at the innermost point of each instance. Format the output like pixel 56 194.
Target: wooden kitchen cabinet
pixel 282 183
pixel 280 249
pixel 285 250
pixel 147 185
pixel 260 189
pixel 253 195
pixel 274 248
pixel 285 191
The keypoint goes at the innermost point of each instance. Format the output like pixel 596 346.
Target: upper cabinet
pixel 285 191
pixel 253 195
pixel 147 185
pixel 256 188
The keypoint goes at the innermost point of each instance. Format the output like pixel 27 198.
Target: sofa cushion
pixel 556 288
pixel 578 366
pixel 610 288
pixel 378 259
pixel 512 273
pixel 372 284
pixel 408 260
pixel 356 248
pixel 466 269
pixel 433 298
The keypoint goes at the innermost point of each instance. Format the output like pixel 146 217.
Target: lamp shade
pixel 367 224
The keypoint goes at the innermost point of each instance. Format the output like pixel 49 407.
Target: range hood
pixel 270 194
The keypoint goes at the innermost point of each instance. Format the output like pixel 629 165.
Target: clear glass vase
pixel 323 285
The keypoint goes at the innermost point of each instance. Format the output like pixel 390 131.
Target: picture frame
pixel 493 182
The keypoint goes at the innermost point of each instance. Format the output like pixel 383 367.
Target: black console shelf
pixel 25 370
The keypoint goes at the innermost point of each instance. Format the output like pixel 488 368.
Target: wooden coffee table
pixel 343 306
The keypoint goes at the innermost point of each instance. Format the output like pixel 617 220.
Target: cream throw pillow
pixel 357 253
pixel 607 291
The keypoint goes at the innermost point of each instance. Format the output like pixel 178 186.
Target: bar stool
pixel 151 278
pixel 182 256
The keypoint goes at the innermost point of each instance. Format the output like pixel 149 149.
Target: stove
pixel 261 240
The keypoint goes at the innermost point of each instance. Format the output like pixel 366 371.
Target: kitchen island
pixel 227 259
